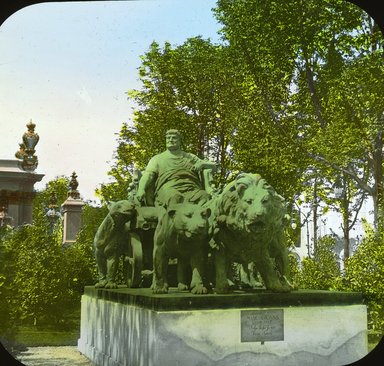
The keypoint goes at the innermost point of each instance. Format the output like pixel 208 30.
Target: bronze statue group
pixel 243 225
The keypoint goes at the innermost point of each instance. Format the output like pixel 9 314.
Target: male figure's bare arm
pixel 145 181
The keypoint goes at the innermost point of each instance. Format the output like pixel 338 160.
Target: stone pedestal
pixel 17 191
pixel 133 327
pixel 72 209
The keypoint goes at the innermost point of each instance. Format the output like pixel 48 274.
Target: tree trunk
pixel 378 196
pixel 346 237
pixel 315 216
pixel 345 213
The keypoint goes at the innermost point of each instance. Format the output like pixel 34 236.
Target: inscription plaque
pixel 262 325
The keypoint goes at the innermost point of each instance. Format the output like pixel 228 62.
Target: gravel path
pixel 53 356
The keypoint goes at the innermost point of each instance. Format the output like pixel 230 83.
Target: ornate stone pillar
pixel 17 179
pixel 72 210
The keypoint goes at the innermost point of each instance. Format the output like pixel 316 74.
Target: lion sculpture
pixel 247 226
pixel 182 233
pixel 111 239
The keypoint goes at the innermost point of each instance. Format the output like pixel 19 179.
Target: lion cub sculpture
pixel 247 225
pixel 110 240
pixel 182 233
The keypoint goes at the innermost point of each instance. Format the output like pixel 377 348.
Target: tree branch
pixel 312 89
pixel 363 185
pixel 357 209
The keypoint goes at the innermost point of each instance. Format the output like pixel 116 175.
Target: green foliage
pixel 45 336
pixel 58 187
pixel 279 96
pixel 192 87
pixel 48 279
pixel 7 330
pixel 294 268
pixel 320 272
pixel 189 88
pixel 92 217
pixel 40 281
pixel 364 272
pixel 311 102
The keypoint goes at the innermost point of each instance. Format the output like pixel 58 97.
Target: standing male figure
pixel 174 173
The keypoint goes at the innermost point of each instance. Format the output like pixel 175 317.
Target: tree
pixel 191 87
pixel 357 107
pixel 311 70
pixel 260 37
pixel 267 99
pixel 339 88
pixel 348 200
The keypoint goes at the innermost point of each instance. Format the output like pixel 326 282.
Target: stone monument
pixel 17 179
pixel 72 210
pixel 202 320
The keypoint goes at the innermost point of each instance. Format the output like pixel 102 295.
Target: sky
pixel 68 66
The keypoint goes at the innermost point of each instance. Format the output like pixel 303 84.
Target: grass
pixel 30 336
pixel 43 334
pixel 26 336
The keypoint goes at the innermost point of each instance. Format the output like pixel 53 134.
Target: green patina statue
pixel 247 226
pixel 182 233
pixel 243 224
pixel 111 239
pixel 174 179
pixel 171 173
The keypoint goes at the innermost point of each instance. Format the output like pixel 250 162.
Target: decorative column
pixel 72 209
pixel 17 179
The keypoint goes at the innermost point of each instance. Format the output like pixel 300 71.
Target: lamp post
pixel 2 215
pixel 4 218
pixel 341 194
pixel 52 212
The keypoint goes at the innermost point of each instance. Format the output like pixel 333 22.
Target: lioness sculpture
pixel 248 226
pixel 182 233
pixel 110 240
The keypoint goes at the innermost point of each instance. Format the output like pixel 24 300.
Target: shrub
pixel 40 281
pixel 320 272
pixel 7 329
pixel 364 272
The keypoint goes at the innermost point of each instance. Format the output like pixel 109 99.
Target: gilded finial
pixel 73 184
pixel 26 151
pixel 31 126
